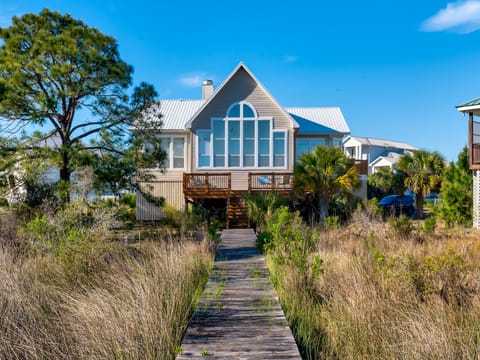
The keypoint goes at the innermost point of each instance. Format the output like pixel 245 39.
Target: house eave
pixel 475 109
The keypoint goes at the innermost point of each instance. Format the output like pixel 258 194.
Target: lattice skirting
pixel 476 199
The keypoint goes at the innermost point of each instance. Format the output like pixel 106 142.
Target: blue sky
pixel 396 68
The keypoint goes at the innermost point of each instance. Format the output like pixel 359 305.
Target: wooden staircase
pixel 237 216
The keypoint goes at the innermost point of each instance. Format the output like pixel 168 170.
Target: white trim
pixel 468 108
pixel 241 110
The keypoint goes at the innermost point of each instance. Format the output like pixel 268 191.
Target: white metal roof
pixel 177 113
pixel 330 117
pixel 380 142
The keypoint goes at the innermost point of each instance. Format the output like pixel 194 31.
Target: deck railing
pixel 212 184
pixel 205 183
pixel 270 181
pixel 474 142
pixel 475 153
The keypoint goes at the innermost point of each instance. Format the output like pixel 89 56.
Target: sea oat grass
pixel 95 298
pixel 386 295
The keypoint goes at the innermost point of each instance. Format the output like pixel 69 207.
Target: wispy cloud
pixel 290 58
pixel 193 79
pixel 461 17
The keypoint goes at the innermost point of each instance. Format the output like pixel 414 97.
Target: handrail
pixel 273 181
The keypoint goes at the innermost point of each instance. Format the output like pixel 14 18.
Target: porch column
pixel 470 137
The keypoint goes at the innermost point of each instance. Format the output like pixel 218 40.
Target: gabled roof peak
pixel 241 65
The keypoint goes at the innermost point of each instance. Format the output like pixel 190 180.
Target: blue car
pixel 397 205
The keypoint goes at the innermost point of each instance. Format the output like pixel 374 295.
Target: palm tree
pixel 424 174
pixel 322 173
pixel 260 207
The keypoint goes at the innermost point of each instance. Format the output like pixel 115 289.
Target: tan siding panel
pixel 291 149
pixel 240 180
pixel 172 191
pixel 169 175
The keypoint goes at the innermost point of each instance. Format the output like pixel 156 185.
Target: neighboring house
pixel 385 161
pixel 16 191
pixel 375 153
pixel 472 108
pixel 236 139
pixel 49 174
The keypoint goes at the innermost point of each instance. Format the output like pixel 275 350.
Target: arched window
pixel 242 140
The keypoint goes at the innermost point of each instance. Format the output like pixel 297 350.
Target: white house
pixel 375 152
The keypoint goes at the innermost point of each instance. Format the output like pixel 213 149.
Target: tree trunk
pixel 65 174
pixel 322 209
pixel 419 203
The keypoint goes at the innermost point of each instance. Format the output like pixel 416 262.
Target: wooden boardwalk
pixel 239 315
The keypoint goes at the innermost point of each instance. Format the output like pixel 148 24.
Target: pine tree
pixel 457 197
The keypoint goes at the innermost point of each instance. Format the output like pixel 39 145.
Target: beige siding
pixel 242 87
pixel 291 149
pixel 240 180
pixel 168 186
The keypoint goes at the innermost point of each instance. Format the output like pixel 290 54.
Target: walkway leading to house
pixel 239 315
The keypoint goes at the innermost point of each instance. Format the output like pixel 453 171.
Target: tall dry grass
pixel 136 305
pixel 384 295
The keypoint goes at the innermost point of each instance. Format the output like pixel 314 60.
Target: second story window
pixel 242 140
pixel 174 148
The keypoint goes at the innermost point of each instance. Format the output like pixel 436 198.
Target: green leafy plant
pixel 402 226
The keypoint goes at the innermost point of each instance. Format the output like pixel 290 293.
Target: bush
pixel 331 222
pixel 3 201
pixel 402 226
pixel 429 225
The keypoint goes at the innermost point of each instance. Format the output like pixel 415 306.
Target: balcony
pixel 199 185
pixel 219 185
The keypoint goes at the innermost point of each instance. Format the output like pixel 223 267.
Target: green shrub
pixel 3 202
pixel 260 207
pixel 402 226
pixel 429 225
pixel 264 241
pixel 331 222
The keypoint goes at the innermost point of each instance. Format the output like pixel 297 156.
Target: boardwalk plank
pixel 239 315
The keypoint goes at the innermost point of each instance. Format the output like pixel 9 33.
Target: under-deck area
pixel 206 187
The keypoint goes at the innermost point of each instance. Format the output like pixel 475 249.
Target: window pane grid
pixel 242 140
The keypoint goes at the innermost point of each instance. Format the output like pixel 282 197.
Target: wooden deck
pixel 239 315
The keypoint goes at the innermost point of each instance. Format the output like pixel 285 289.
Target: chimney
pixel 207 89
